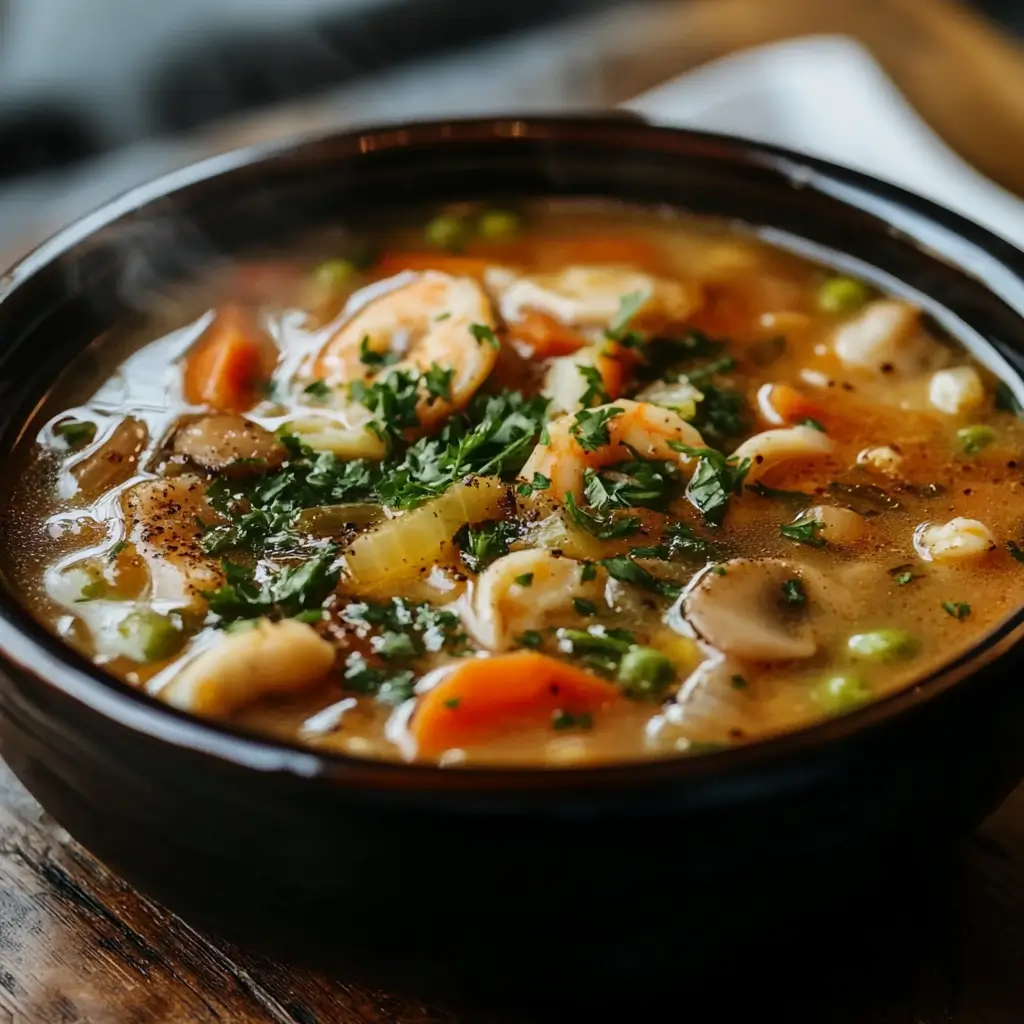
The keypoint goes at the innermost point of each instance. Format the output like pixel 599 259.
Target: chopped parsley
pixel 904 574
pixel 812 423
pixel 594 393
pixel 481 544
pixel 369 356
pixel 804 531
pixel 483 334
pixel 75 433
pixel 530 639
pixel 958 609
pixel 525 580
pixel 626 570
pixel 392 398
pixel 794 592
pixel 283 591
pixel 562 720
pixel 122 544
pixel 637 483
pixel 603 527
pixel 319 389
pixel 590 428
pixel 438 381
pixel 714 481
pixel 583 606
pixel 539 483
pixel 738 682
pixel 680 544
pixel 588 572
pixel 618 326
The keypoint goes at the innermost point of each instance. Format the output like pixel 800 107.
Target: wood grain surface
pixel 77 944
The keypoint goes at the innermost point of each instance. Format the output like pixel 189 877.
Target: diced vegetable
pixel 498 225
pixel 402 546
pixel 347 442
pixel 975 437
pixel 230 363
pixel 546 336
pixel 447 232
pixel 841 694
pixel 645 672
pixel 883 644
pixel 75 433
pixel 842 295
pixel 149 636
pixel 483 696
pixel 331 520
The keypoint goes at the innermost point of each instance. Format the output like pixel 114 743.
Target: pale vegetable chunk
pixel 268 658
pixel 522 591
pixel 231 445
pixel 957 390
pixel 958 539
pixel 886 337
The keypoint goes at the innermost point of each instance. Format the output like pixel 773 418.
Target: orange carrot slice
pixel 484 695
pixel 228 364
pixel 546 336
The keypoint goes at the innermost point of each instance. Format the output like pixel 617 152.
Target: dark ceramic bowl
pixel 614 870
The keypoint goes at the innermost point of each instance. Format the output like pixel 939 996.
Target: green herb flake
pixel 629 306
pixel 438 381
pixel 583 606
pixel 483 333
pixel 813 424
pixel 594 393
pixel 960 610
pixel 318 389
pixel 904 574
pixel 588 572
pixel 526 580
pixel 75 433
pixel 539 483
pixel 590 428
pixel 369 356
pixel 794 592
pixel 120 546
pixel 483 543
pixel 606 527
pixel 738 682
pixel 530 639
pixel 453 702
pixel 715 480
pixel 804 531
pixel 625 570
pixel 562 720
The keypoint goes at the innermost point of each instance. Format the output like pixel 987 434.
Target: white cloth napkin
pixel 826 96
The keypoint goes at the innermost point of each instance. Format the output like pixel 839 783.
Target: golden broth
pixel 671 604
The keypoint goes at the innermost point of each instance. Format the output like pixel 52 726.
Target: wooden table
pixel 77 944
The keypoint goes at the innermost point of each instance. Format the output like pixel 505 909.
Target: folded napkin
pixel 826 96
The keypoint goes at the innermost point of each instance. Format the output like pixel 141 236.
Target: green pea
pixel 645 672
pixel 447 232
pixel 883 644
pixel 975 437
pixel 841 694
pixel 842 295
pixel 334 275
pixel 149 636
pixel 498 225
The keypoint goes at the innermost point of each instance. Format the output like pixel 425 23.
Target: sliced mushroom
pixel 741 608
pixel 115 460
pixel 231 445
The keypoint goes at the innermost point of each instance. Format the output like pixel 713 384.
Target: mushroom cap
pixel 741 608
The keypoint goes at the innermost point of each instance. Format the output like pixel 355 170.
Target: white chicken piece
pixel 592 296
pixel 886 337
pixel 957 390
pixel 240 668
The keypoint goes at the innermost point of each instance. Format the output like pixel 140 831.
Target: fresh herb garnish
pixel 812 423
pixel 603 527
pixel 530 639
pixel 958 609
pixel 738 682
pixel 588 572
pixel 714 481
pixel 284 591
pixel 76 432
pixel 864 499
pixel 626 570
pixel 618 326
pixel 796 498
pixel 562 720
pixel 583 606
pixel 590 428
pixel 633 484
pixel 122 544
pixel 438 381
pixel 904 574
pixel 392 398
pixel 481 544
pixel 318 389
pixel 794 592
pixel 594 393
pixel 804 531
pixel 369 356
pixel 525 580
pixel 483 334
pixel 539 483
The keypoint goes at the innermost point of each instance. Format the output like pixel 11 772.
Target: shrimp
pixel 428 322
pixel 503 607
pixel 591 296
pixel 604 436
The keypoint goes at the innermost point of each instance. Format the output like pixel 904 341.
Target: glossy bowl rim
pixel 42 655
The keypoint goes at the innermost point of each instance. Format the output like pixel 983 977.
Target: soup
pixel 574 484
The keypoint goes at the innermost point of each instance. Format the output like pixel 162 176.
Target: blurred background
pixel 99 95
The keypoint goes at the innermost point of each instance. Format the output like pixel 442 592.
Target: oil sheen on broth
pixel 571 484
